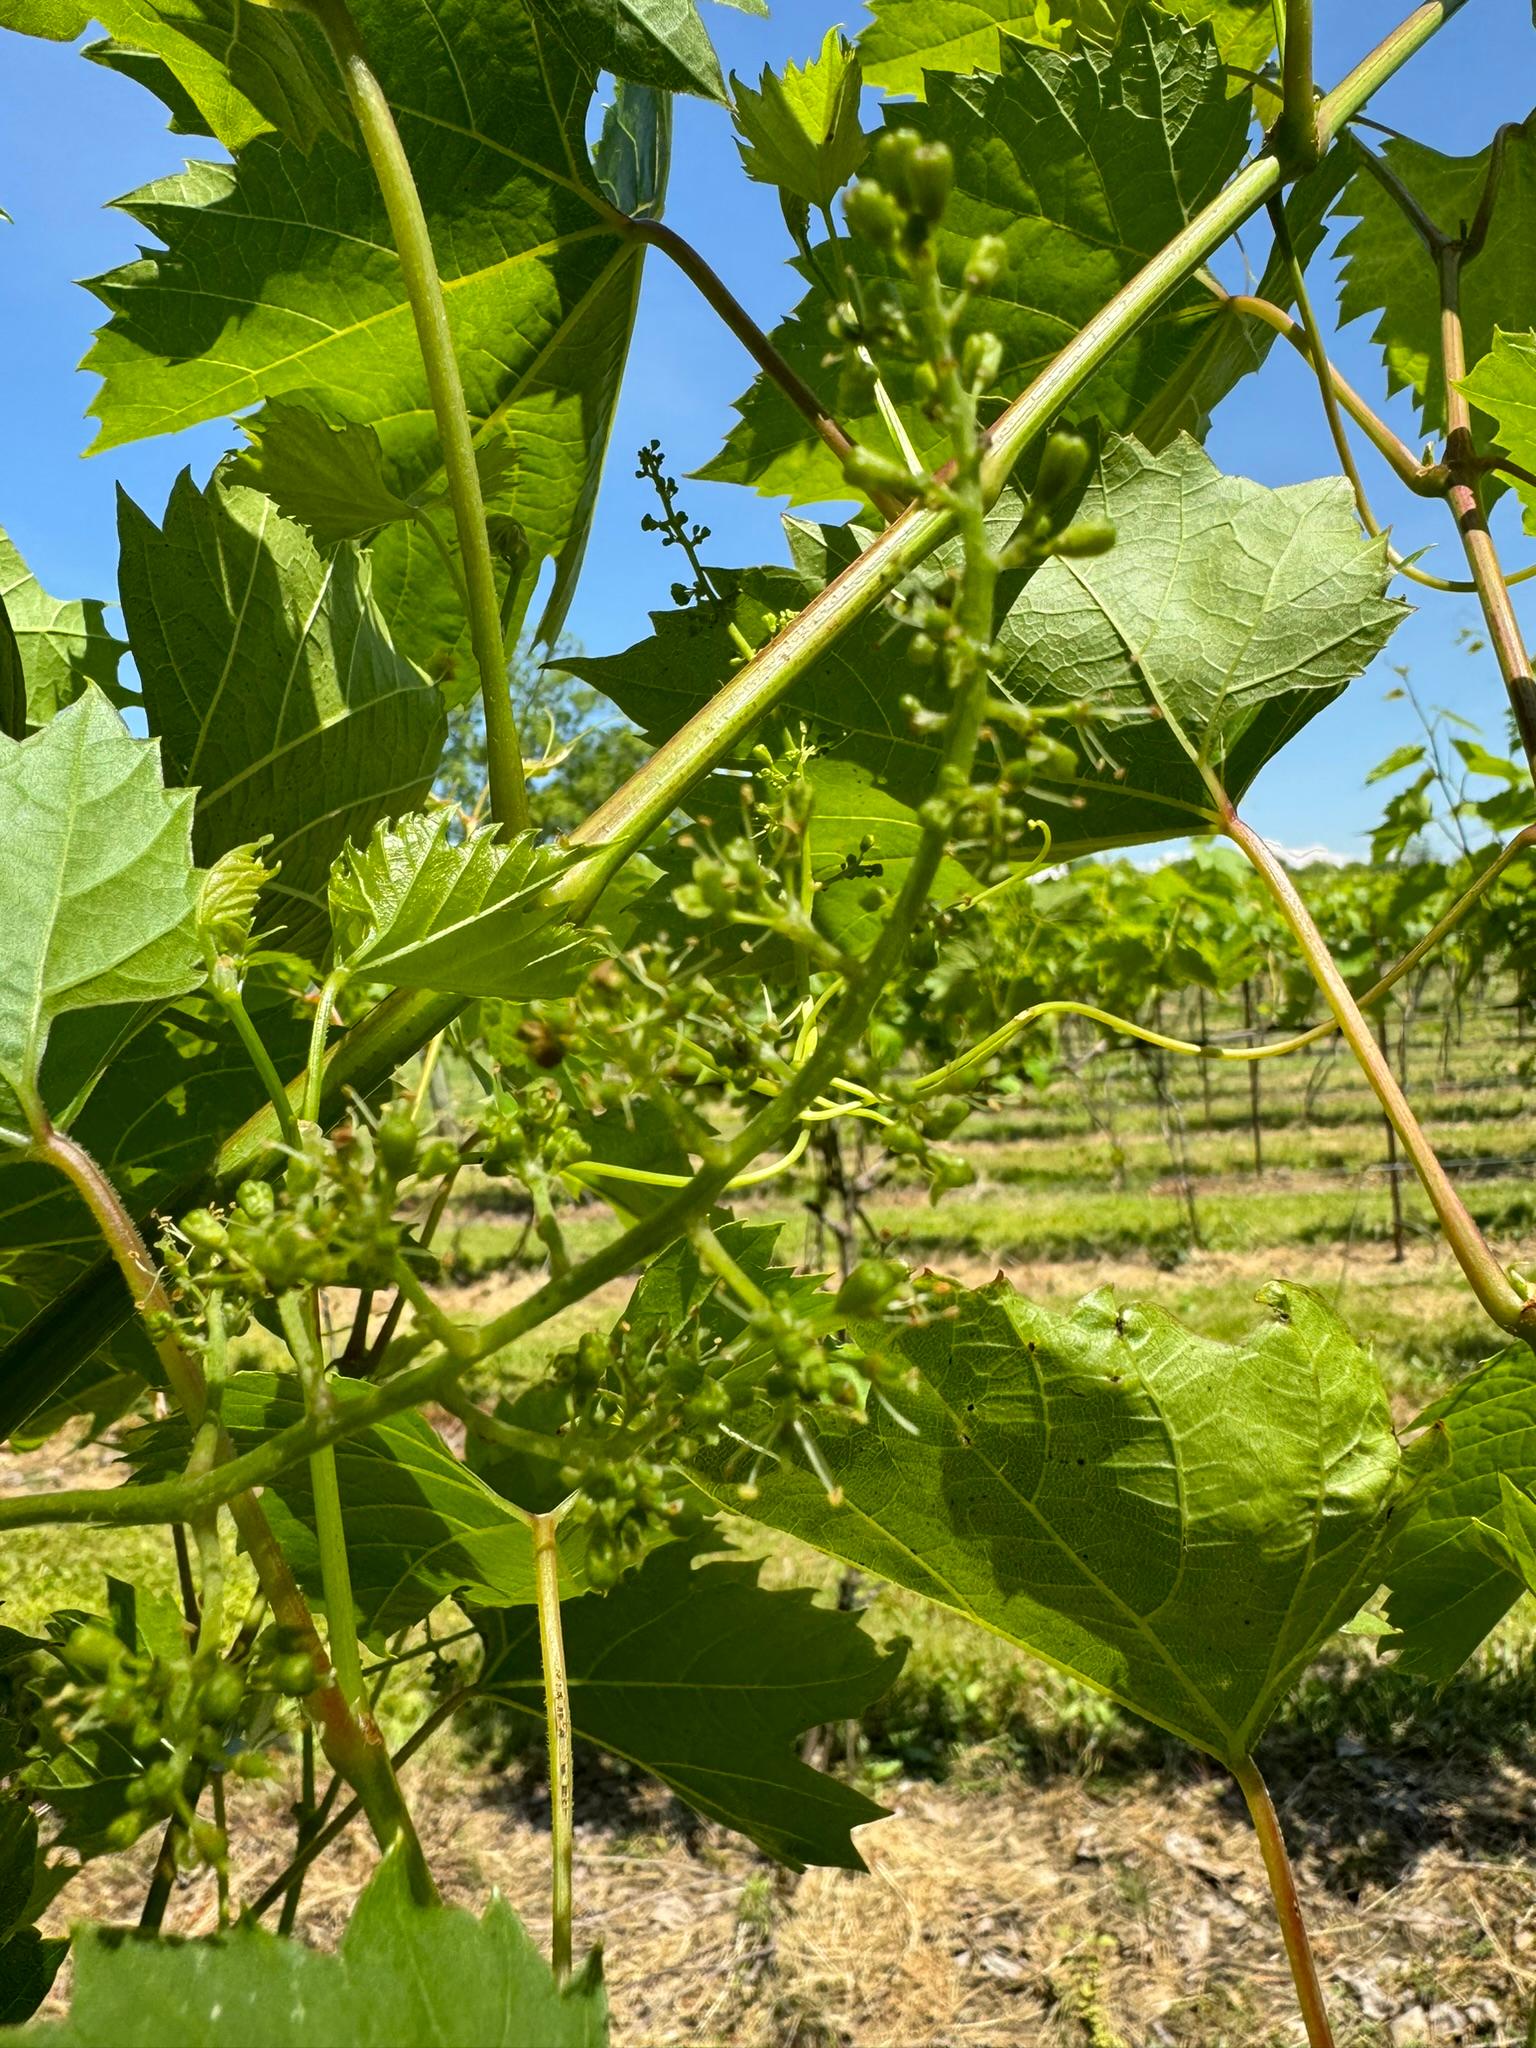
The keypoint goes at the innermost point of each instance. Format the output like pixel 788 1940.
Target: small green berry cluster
pixel 331 1223
pixel 180 1715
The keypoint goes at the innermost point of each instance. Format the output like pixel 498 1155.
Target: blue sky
pixel 73 136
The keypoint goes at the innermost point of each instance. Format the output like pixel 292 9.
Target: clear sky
pixel 72 136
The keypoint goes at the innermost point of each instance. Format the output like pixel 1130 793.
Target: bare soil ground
pixel 1073 1914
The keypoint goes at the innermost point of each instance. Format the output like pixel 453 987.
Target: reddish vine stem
pixel 1496 1293
pixel 1465 497
pixel 723 301
pixel 1282 1883
pixel 351 1741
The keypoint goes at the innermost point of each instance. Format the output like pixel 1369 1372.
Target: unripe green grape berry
pixel 1086 537
pixel 869 1287
pixel 222 1694
pixel 397 1141
pixel 436 1158
pixel 295 1674
pixel 923 649
pixel 251 1764
pixel 163 1780
pixel 981 361
pixel 256 1200
pixel 986 263
pixel 94 1649
pixel 903 1141
pixel 210 1842
pixel 205 1230
pixel 930 179
pixel 870 211
pixel 124 1830
pixel 891 161
pixel 1063 464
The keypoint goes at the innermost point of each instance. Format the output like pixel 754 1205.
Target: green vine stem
pixel 298 1320
pixel 1449 254
pixel 225 990
pixel 557 1725
pixel 1282 1883
pixel 321 1839
pixel 424 289
pixel 1507 1305
pixel 1296 139
pixel 34 1362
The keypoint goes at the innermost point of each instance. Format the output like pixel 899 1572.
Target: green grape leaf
pixel 1085 165
pixel 18 1861
pixel 1386 271
pixel 800 130
pixel 13 682
pixel 633 149
pixel 102 893
pixel 326 474
pixel 246 68
pixel 276 278
pixel 907 38
pixel 57 21
pixel 63 644
pixel 706 1679
pixel 330 475
pixel 269 676
pixel 1231 345
pixel 1176 1520
pixel 431 1975
pixel 155 76
pixel 29 1962
pixel 660 43
pixel 1225 617
pixel 422 1527
pixel 417 911
pixel 1503 385
pixel 1447 1586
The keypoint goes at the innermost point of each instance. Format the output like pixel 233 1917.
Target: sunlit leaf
pixel 1503 385
pixel 800 130
pixel 101 891
pixel 271 681
pixel 277 277
pixel 431 1975
pixel 1448 1587
pixel 1225 617
pixel 661 43
pixel 1387 272
pixel 1085 165
pixel 1177 1520
pixel 246 66
pixel 906 38
pixel 63 644
pixel 417 911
